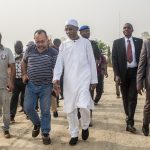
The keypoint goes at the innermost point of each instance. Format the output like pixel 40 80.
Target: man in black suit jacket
pixel 125 59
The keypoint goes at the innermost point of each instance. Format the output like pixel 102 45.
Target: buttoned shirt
pixel 6 58
pixel 133 64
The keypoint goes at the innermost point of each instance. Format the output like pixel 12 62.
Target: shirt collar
pixel 126 39
pixel 44 52
pixel 70 40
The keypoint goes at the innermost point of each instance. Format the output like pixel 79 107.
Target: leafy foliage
pixel 105 50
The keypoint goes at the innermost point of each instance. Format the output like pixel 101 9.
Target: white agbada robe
pixel 77 59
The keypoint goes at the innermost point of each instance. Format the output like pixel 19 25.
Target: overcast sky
pixel 20 18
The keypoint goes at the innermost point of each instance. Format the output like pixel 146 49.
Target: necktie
pixel 129 52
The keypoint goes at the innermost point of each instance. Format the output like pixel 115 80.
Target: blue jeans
pixel 32 92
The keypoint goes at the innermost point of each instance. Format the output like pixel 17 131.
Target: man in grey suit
pixel 143 81
pixel 125 58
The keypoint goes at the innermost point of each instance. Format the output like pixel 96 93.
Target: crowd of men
pixel 72 69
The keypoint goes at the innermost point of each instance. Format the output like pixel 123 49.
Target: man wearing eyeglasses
pixel 37 70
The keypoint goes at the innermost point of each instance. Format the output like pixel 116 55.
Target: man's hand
pixel 106 74
pixel 118 80
pixel 10 86
pixel 25 78
pixel 92 86
pixel 56 82
pixel 140 90
pixel 56 87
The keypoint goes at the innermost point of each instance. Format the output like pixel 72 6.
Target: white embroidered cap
pixel 72 22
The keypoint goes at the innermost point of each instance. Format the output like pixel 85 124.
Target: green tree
pixel 105 49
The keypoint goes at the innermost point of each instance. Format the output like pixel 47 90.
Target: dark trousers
pixel 117 89
pixel 146 112
pixel 129 95
pixel 19 87
pixel 99 88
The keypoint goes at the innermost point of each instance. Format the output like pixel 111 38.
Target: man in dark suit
pixel 125 59
pixel 143 81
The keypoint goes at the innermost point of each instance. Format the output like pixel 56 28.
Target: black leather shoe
pixel 91 124
pixel 130 129
pixel 85 134
pixel 35 131
pixel 73 141
pixel 55 114
pixel 27 117
pixel 95 102
pixel 46 139
pixel 118 95
pixel 7 134
pixel 12 120
pixel 145 129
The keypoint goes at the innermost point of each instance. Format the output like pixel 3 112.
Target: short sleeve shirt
pixel 40 65
pixel 6 58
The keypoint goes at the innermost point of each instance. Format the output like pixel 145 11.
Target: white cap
pixel 72 22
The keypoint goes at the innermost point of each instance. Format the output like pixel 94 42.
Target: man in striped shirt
pixel 37 70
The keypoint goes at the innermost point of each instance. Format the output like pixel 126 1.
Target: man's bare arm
pixel 25 77
pixel 12 77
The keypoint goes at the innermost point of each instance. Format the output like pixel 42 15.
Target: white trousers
pixel 74 122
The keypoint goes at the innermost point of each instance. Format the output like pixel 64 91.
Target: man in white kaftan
pixel 80 74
